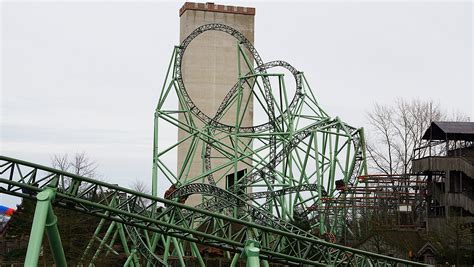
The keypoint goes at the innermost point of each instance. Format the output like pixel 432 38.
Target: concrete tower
pixel 210 69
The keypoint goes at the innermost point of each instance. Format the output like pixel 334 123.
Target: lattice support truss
pixel 291 160
pixel 168 218
pixel 282 168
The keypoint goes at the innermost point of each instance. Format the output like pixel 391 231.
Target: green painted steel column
pixel 136 261
pixel 130 258
pixel 54 238
pixel 45 219
pixel 103 242
pixel 167 246
pixel 91 241
pixel 252 252
pixel 197 254
pixel 37 231
pixel 111 244
pixel 235 260
pixel 177 248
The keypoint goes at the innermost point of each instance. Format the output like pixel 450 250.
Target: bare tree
pixel 396 130
pixel 453 240
pixel 76 229
pixel 61 162
pixel 140 186
pixel 80 164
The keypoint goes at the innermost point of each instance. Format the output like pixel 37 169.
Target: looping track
pixel 261 68
pixel 297 136
pixel 293 158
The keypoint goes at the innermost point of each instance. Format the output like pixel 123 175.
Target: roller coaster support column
pixel 252 252
pixel 132 259
pixel 45 219
pixel 103 242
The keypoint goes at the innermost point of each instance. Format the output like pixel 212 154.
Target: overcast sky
pixel 85 76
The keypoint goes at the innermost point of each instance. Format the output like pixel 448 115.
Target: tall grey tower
pixel 209 70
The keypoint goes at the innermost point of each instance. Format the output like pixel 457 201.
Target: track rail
pixel 25 179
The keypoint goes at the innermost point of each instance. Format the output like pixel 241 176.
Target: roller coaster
pixel 291 176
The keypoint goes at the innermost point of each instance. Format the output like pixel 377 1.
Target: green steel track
pixel 293 160
pixel 291 246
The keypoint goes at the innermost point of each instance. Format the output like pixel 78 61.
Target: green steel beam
pixel 251 252
pixel 44 219
pixel 34 177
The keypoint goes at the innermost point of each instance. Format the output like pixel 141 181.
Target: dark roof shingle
pixel 450 130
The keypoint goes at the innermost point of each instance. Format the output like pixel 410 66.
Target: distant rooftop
pixel 211 7
pixel 450 130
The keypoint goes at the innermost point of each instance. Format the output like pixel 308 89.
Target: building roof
pixel 426 247
pixel 211 7
pixel 450 130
